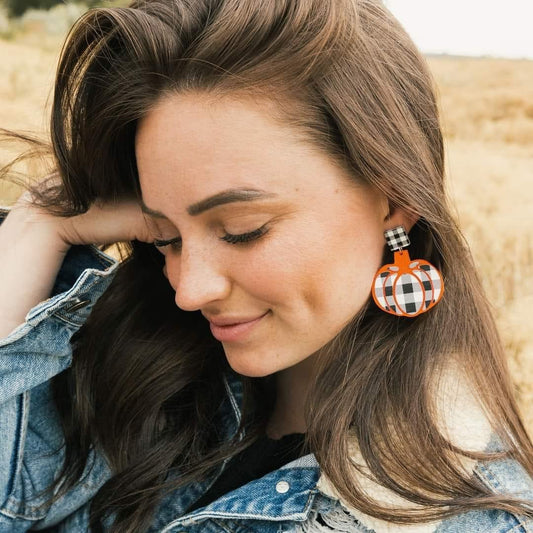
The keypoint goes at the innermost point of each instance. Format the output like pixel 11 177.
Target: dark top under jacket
pixel 261 457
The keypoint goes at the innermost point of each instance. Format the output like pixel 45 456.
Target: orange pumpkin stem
pixel 402 259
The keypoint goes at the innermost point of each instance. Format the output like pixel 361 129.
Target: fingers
pixel 106 223
pixel 102 223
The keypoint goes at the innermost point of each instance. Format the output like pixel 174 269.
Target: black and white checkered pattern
pixel 397 238
pixel 432 282
pixel 408 293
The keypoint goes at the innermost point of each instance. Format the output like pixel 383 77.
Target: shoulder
pixel 462 420
pixel 504 476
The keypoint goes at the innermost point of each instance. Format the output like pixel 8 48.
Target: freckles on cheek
pixel 275 275
pixel 264 277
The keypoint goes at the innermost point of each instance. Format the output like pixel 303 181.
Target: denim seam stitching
pixel 518 527
pixel 21 439
pixel 86 289
pixel 11 500
pixel 227 514
pixel 11 515
pixel 488 476
pixel 227 529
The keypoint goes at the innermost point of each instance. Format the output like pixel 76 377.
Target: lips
pixel 233 329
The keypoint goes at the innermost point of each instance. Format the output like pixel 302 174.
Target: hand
pixel 103 223
pixel 106 223
pixel 33 244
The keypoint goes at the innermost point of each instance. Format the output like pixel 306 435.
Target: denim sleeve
pixel 39 348
pixel 30 355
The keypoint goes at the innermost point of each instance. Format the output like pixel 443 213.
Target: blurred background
pixel 481 54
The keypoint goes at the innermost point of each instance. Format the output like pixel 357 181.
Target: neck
pixel 292 388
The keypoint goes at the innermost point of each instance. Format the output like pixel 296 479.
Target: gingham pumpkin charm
pixel 406 287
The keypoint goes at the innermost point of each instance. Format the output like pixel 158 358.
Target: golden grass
pixel 487 108
pixel 487 100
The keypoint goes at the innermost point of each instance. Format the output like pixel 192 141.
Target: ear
pixel 398 216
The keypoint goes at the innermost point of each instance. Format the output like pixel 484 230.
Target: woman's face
pixel 273 244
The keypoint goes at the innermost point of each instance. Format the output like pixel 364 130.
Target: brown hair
pixel 143 385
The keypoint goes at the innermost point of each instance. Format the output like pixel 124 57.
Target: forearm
pixel 34 243
pixel 31 254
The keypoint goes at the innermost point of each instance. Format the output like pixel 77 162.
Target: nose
pixel 197 277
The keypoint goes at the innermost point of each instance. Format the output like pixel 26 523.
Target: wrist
pixel 34 226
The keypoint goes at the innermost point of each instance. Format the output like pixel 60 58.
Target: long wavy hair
pixel 146 377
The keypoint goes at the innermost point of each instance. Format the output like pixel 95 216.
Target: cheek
pixel 303 273
pixel 317 269
pixel 339 279
pixel 274 273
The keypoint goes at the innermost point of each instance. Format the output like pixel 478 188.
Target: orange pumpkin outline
pixel 402 262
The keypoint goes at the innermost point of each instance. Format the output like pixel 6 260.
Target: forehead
pixel 191 145
pixel 240 124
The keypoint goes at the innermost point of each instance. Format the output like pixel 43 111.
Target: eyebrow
pixel 221 198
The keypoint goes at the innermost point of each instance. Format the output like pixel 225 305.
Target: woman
pixel 234 373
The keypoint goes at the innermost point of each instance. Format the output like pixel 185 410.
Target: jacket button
pixel 282 487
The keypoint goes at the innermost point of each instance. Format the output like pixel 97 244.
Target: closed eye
pixel 175 242
pixel 242 238
pixel 230 238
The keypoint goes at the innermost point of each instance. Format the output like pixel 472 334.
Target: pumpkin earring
pixel 406 287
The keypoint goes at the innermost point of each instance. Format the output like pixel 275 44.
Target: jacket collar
pixel 284 494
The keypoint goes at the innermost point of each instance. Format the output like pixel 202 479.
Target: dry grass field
pixel 487 108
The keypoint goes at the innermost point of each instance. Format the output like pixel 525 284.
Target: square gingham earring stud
pixel 406 287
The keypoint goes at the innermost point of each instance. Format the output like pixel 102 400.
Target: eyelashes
pixel 159 243
pixel 230 238
pixel 244 237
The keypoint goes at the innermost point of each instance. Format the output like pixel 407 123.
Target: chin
pixel 250 370
pixel 251 365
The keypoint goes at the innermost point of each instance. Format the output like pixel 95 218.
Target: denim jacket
pixel 294 498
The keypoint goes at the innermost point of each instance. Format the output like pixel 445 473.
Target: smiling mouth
pixel 232 330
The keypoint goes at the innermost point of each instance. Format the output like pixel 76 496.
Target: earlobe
pixel 398 216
